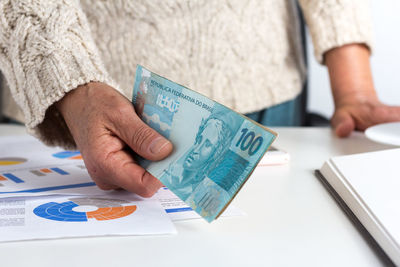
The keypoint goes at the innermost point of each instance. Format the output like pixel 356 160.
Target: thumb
pixel 142 139
pixel 343 124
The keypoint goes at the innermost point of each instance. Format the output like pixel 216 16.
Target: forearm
pixel 46 50
pixel 350 74
pixel 357 106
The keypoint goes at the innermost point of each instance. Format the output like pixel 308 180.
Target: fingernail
pixel 158 144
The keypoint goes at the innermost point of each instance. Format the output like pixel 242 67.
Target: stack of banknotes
pixel 215 148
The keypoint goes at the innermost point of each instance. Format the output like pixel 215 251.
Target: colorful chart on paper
pixel 11 161
pixel 117 213
pixel 28 167
pixel 81 209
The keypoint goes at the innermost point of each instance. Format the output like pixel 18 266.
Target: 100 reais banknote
pixel 215 148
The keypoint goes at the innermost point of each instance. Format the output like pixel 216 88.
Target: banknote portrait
pixel 211 142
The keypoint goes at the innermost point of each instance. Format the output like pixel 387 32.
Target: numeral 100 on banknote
pixel 249 141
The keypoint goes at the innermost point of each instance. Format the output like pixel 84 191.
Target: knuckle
pixel 124 110
pixel 98 178
pixel 92 170
pixel 120 114
pixel 95 170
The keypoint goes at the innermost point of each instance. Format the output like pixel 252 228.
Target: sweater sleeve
pixel 46 50
pixel 333 23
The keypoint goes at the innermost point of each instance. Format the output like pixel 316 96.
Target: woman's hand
pixel 108 133
pixel 357 106
pixel 359 114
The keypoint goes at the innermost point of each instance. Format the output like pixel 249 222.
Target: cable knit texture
pixel 336 23
pixel 245 54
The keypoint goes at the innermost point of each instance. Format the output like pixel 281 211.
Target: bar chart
pixel 28 166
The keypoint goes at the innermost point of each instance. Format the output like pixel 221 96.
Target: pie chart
pixel 83 209
pixel 11 161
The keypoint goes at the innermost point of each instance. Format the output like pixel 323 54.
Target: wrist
pixel 73 107
pixel 355 97
pixel 350 75
pixel 74 100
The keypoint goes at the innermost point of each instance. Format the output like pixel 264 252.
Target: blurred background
pixel 385 61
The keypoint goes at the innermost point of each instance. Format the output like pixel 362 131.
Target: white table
pixel 291 221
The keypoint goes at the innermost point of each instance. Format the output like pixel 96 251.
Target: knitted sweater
pixel 244 54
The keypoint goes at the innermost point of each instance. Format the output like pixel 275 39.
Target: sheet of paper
pixel 81 216
pixel 29 168
pixel 178 210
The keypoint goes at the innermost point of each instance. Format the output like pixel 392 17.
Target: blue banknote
pixel 215 148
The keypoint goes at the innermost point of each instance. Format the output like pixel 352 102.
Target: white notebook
pixel 369 184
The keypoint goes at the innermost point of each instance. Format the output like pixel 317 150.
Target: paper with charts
pixel 215 148
pixel 177 210
pixel 81 216
pixel 29 168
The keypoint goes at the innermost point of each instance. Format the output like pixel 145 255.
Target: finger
pixel 144 140
pixel 121 170
pixel 105 186
pixel 386 114
pixel 343 124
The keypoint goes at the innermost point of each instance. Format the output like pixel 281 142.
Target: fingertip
pixel 340 132
pixel 149 185
pixel 160 148
pixel 343 124
pixel 139 181
pixel 106 187
pixel 344 129
pixel 147 192
pixel 166 150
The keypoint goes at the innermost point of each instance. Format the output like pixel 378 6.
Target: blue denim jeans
pixel 289 113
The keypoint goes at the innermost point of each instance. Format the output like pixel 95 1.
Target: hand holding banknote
pixel 108 133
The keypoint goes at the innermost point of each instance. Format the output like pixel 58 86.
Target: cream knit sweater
pixel 245 54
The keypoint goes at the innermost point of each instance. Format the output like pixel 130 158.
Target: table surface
pixel 291 220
